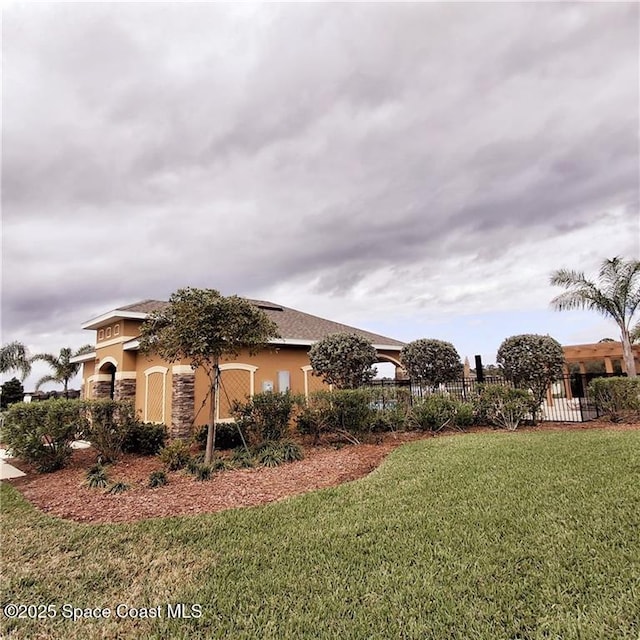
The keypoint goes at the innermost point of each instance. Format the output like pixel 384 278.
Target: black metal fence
pixel 567 399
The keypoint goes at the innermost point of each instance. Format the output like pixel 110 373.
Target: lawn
pixel 496 536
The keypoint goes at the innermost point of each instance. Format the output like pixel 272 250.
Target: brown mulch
pixel 64 494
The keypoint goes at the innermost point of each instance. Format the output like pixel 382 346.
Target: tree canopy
pixel 344 360
pixel 11 392
pixel 202 326
pixel 531 361
pixel 14 356
pixel 616 295
pixel 431 361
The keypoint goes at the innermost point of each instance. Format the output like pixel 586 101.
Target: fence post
pixel 479 370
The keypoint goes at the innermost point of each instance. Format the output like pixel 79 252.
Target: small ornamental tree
pixel 344 360
pixel 431 362
pixel 201 327
pixel 531 362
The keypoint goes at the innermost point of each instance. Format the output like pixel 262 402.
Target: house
pixel 176 395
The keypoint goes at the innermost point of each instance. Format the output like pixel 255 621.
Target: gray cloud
pixel 333 150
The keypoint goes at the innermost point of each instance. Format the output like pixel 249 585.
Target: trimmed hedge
pixel 41 433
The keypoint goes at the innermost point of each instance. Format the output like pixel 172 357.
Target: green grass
pixel 496 536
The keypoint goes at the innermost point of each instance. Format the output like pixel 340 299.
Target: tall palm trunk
pixel 627 353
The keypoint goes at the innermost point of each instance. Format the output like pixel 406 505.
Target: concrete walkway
pixel 6 470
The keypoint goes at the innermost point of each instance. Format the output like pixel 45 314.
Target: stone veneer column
pixel 182 401
pixel 125 385
pixel 101 386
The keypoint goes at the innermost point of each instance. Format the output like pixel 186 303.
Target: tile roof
pixel 292 324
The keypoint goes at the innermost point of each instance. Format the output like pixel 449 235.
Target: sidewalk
pixel 8 471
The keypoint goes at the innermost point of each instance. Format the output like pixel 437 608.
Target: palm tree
pixel 617 295
pixel 14 356
pixel 63 368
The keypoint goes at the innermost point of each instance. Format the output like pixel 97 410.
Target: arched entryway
pixel 388 367
pixel 104 382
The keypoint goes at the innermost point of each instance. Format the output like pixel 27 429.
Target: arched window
pixel 237 382
pixel 155 394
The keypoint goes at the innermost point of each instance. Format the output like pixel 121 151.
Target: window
pixel 101 334
pixel 284 381
pixel 108 333
pixel 236 383
pixel 116 330
pixel 155 394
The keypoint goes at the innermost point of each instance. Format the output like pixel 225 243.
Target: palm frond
pixel 46 379
pixel 84 349
pixel 567 278
pixel 15 356
pixel 46 357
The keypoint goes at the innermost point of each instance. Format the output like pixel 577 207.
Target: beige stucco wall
pixel 268 363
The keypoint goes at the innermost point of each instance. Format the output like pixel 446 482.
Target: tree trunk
pixel 211 427
pixel 627 354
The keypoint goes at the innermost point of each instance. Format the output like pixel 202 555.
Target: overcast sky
pixel 413 169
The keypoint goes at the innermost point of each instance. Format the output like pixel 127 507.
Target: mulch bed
pixel 64 494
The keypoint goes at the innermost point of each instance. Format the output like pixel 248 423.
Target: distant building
pixel 608 353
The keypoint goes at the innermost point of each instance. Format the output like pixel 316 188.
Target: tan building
pixel 176 395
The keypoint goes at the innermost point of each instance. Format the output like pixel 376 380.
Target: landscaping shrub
pixel 618 398
pixel 242 458
pixel 313 420
pixel 203 472
pixel 97 476
pixel 157 479
pixel 221 464
pixel 345 412
pixel 291 451
pixel 435 412
pixel 109 423
pixel 266 416
pixel 144 438
pixel 392 418
pixel 465 415
pixel 270 455
pixel 227 435
pixel 503 407
pixel 117 487
pixel 175 455
pixel 41 433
